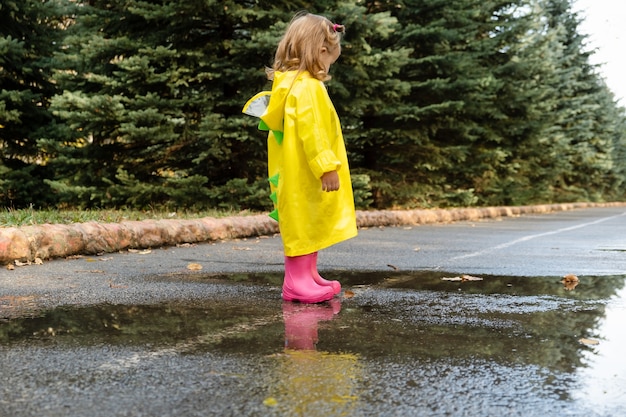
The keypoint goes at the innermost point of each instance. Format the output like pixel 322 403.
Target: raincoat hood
pixel 275 112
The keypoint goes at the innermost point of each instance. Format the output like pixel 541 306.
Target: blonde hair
pixel 299 49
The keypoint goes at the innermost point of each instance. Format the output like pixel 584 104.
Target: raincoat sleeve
pixel 315 129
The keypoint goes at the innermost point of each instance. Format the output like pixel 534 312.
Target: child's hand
pixel 330 181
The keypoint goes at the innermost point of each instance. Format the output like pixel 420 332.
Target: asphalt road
pixel 142 334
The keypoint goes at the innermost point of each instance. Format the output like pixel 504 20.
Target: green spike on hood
pixel 263 126
pixel 278 135
pixel 274 179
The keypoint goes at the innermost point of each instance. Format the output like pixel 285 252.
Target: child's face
pixel 328 56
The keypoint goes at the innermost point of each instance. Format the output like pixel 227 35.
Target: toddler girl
pixel 308 166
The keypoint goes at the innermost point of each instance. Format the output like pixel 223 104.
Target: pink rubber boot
pixel 335 285
pixel 299 284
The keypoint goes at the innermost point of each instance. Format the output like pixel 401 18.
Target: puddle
pixel 530 339
pixel 588 288
pixel 603 373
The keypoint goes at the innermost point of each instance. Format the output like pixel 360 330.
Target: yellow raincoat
pixel 304 142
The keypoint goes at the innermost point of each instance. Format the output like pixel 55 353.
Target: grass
pixel 28 217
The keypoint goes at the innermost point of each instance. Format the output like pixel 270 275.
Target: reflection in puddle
pixel 413 337
pixel 308 382
pixel 301 322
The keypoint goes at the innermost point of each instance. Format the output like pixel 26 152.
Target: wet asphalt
pixel 460 319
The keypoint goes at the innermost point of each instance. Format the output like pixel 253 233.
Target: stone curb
pixel 47 241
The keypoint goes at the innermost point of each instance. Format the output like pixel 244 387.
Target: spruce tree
pixel 29 35
pixel 150 94
pixel 586 113
pixel 456 102
pixel 153 96
pixel 527 101
pixel 443 140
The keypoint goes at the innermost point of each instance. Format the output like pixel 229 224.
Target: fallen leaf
pixel 38 261
pixel 570 282
pixel 463 278
pixel 348 294
pixel 570 278
pixel 270 402
pixel 194 267
pixel 140 252
pixel 342 399
pixel 10 267
pixel 470 278
pixel 11 302
pixel 452 279
pixel 589 342
pixel 20 263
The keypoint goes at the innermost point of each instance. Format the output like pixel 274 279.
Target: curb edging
pixel 48 241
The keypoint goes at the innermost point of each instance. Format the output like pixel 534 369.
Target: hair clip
pixel 338 28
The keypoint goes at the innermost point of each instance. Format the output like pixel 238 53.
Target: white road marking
pixel 526 238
